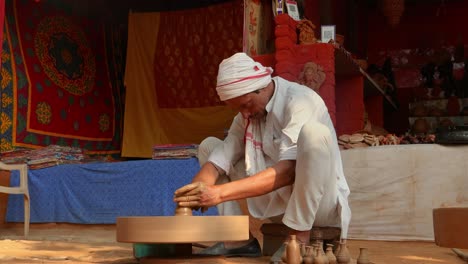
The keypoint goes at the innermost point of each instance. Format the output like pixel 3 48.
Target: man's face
pixel 251 105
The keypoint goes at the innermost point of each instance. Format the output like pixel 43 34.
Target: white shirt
pixel 291 106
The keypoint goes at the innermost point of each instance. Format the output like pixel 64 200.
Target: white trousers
pixel 313 199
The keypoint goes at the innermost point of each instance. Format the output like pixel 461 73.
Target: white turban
pixel 239 75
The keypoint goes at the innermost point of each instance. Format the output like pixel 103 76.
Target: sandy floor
pixel 64 243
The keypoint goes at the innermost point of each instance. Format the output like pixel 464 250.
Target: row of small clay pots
pixel 296 253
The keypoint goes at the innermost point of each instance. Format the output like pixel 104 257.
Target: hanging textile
pixel 57 89
pixel 172 64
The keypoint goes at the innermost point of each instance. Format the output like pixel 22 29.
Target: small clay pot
pixel 183 211
pixel 420 126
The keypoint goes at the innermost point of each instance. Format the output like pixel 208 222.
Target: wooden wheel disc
pixel 182 229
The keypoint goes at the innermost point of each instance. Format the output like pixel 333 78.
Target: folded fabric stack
pixel 175 151
pixel 16 156
pixel 45 157
pixel 54 155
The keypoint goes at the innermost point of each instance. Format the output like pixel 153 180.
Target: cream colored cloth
pixel 291 107
pixel 396 187
pixel 239 75
pixel 254 160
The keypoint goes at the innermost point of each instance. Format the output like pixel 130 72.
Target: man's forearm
pixel 207 174
pixel 272 178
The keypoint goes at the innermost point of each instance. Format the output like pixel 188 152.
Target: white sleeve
pixel 297 113
pixel 232 149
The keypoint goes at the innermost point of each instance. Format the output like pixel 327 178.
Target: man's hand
pixel 196 195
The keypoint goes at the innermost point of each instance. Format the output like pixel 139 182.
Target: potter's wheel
pixel 182 229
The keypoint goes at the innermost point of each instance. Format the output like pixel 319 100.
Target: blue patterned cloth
pixel 98 193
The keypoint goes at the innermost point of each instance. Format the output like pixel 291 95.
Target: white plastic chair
pixel 21 189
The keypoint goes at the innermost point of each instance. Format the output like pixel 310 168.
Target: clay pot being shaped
pixel 183 211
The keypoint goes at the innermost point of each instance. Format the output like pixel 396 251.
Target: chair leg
pixel 26 214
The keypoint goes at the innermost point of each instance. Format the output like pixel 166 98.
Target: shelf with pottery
pixel 428 115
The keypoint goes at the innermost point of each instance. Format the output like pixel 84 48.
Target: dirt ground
pixel 66 243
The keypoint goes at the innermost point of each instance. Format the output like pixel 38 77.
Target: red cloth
pixel 286 31
pixel 284 43
pixel 267 60
pixel 285 19
pixel 60 79
pixel 283 55
pixel 191 44
pixel 69 93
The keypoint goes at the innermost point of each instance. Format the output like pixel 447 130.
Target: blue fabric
pixel 98 193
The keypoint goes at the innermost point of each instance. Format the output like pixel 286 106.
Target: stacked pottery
pixel 363 256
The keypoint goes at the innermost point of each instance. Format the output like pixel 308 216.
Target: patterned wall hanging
pixel 57 88
pixel 190 46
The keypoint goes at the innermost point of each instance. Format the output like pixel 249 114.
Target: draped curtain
pixel 170 77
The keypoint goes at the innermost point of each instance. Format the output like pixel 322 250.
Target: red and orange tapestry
pixel 58 69
pixel 191 44
pixel 171 70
